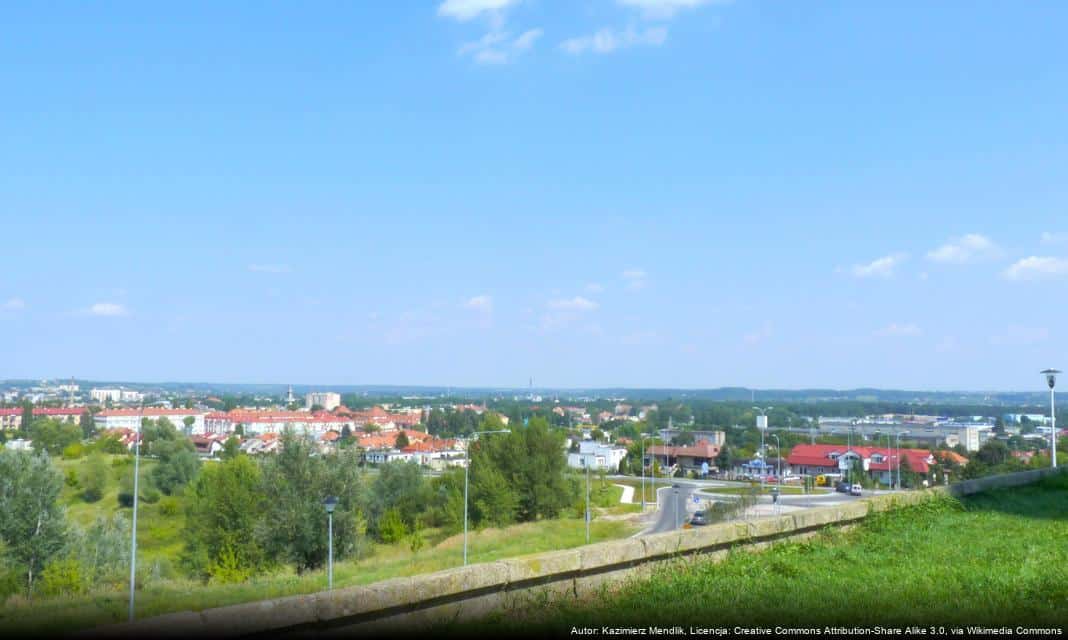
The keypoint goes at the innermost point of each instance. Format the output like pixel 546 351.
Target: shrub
pixel 70 478
pixel 73 451
pixel 64 577
pixel 151 495
pixel 392 528
pixel 111 444
pixel 94 478
pixel 168 507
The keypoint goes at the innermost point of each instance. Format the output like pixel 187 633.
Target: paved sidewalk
pixel 628 494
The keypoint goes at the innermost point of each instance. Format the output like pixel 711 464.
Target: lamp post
pixel 330 503
pixel 778 457
pixel 587 501
pixel 133 532
pixel 675 524
pixel 763 450
pixel 467 473
pixel 898 465
pixel 643 472
pixel 1051 380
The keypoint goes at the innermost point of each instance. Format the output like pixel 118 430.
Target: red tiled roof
pixel 818 455
pixel 700 449
pixel 148 412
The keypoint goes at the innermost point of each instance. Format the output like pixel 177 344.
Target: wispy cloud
pixel 899 330
pixel 967 248
pixel 482 303
pixel 107 309
pixel 665 9
pixel 578 303
pixel 13 304
pixel 1037 268
pixel 464 10
pixel 635 278
pixel 498 47
pixel 270 268
pixel 607 40
pixel 883 267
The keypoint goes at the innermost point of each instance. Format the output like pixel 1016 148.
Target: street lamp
pixel 585 463
pixel 1051 380
pixel 643 437
pixel 330 503
pixel 763 450
pixel 133 533
pixel 778 457
pixel 676 508
pixel 898 465
pixel 467 473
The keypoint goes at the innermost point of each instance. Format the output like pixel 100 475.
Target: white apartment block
pixel 328 400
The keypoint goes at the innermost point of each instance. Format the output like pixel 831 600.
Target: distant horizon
pixel 537 389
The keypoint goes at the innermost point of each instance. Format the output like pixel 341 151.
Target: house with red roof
pixel 689 458
pixel 880 463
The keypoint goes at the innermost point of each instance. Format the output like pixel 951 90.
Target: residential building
pixel 328 400
pixel 131 418
pixel 597 456
pixel 688 458
pixel 718 438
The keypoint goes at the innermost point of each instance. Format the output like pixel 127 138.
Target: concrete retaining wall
pixel 475 590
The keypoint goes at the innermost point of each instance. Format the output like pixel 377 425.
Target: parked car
pixel 841 486
pixel 855 490
pixel 698 519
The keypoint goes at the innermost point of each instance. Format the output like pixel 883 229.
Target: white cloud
pixel 269 268
pixel 107 309
pixel 578 303
pixel 498 47
pixel 967 248
pixel 1037 267
pixel 895 330
pixel 482 303
pixel 635 278
pixel 464 10
pixel 880 267
pixel 663 9
pixel 607 40
pixel 14 304
pixel 1054 238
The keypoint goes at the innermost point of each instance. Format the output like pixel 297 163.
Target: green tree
pixel 400 486
pixel 231 448
pixel 33 524
pixel 178 465
pixel 295 483
pixel 94 477
pixel 87 424
pixel 26 421
pixel 189 421
pixel 723 458
pixel 392 529
pixel 401 441
pixel 53 436
pixel 226 508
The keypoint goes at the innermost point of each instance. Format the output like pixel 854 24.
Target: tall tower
pixel 289 398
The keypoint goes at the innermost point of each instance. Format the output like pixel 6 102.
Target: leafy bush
pixel 70 478
pixel 168 507
pixel 111 444
pixel 151 495
pixel 65 576
pixel 94 477
pixel 73 451
pixel 391 529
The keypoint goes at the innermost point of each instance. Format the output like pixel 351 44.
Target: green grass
pixel 991 559
pixel 386 561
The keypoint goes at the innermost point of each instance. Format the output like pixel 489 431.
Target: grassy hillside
pixel 163 589
pixel 990 559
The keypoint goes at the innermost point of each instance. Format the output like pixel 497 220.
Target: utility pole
pixel 133 532
pixel 1051 380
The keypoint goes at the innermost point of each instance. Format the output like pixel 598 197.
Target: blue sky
pixel 674 193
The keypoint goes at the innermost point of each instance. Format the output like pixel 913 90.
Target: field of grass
pixel 991 559
pixel 159 542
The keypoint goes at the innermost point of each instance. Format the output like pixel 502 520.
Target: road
pixel 674 508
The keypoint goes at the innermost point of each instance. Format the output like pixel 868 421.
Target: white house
pixel 596 455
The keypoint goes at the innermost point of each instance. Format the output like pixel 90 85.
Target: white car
pixel 855 490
